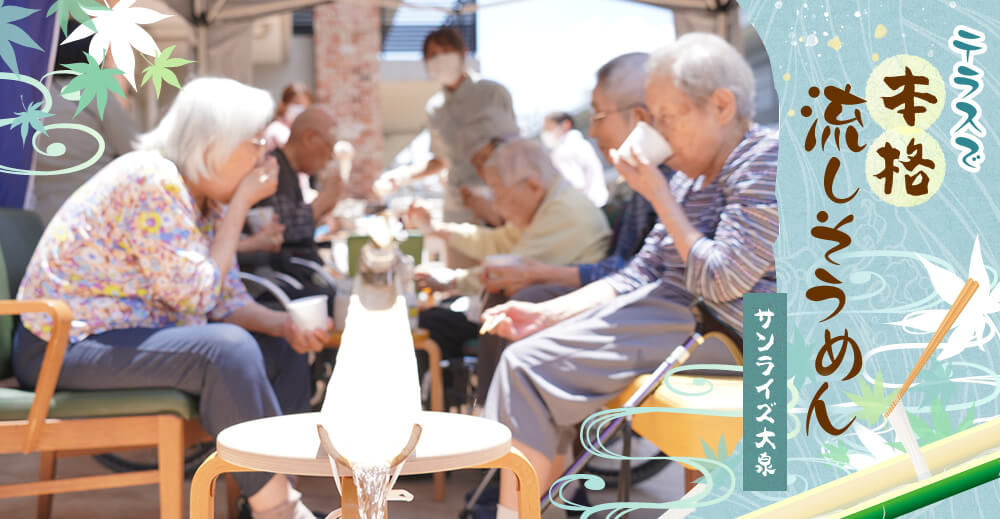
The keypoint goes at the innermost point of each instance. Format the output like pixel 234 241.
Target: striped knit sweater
pixel 738 215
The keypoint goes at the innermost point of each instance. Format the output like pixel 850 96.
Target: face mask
pixel 293 110
pixel 549 139
pixel 446 68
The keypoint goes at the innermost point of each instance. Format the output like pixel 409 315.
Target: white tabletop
pixel 290 444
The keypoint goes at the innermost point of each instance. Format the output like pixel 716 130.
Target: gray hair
pixel 207 121
pixel 521 159
pixel 623 79
pixel 701 63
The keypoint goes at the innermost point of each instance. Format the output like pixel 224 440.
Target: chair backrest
pixel 6 324
pixel 20 231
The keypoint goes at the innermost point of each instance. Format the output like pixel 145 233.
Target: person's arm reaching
pixel 258 318
pixel 256 186
pixel 516 319
pixel 329 194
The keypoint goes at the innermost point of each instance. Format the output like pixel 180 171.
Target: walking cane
pixel 706 323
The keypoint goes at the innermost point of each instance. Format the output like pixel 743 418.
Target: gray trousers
pixel 491 346
pixel 548 382
pixel 237 376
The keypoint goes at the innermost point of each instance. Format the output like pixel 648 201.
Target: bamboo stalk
pixel 949 319
pixel 953 484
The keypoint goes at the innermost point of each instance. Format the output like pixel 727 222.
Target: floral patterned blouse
pixel 129 249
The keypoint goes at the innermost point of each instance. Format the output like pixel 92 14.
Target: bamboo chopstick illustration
pixel 949 319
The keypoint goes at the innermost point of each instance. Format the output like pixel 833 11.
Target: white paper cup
pixel 260 217
pixel 502 260
pixel 309 313
pixel 647 143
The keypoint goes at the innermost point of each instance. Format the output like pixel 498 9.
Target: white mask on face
pixel 550 139
pixel 446 68
pixel 292 111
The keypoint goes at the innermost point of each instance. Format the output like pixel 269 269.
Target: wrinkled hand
pixel 260 183
pixel 509 279
pixel 480 206
pixel 644 178
pixel 305 341
pixel 438 279
pixel 418 217
pixel 516 320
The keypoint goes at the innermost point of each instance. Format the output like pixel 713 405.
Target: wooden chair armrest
pixel 55 350
pixel 734 350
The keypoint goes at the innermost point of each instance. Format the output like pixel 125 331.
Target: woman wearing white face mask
pixel 295 98
pixel 463 117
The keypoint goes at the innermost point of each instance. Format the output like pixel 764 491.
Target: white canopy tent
pixel 219 35
pixel 220 32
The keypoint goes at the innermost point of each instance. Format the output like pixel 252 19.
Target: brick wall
pixel 347 39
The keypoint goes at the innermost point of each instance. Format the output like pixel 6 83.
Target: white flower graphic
pixel 118 28
pixel 974 327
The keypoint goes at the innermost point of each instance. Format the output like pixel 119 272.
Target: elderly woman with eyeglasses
pixel 718 223
pixel 144 252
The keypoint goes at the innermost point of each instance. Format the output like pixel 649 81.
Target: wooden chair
pixel 684 435
pixel 66 423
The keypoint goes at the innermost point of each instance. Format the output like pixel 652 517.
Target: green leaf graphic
pixel 31 117
pixel 836 453
pixel 873 400
pixel 935 381
pixel 10 33
pixel 75 8
pixel 93 82
pixel 939 426
pixel 159 70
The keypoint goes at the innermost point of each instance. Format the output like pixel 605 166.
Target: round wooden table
pixel 290 445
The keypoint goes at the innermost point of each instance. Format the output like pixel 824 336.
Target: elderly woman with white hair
pixel 718 223
pixel 144 252
pixel 546 220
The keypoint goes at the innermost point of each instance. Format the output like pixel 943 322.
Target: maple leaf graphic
pixel 118 29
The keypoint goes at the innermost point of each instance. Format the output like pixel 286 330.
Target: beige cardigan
pixel 567 228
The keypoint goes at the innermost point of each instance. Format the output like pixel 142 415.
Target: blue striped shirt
pixel 738 215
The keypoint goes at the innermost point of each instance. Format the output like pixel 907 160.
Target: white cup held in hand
pixel 309 313
pixel 646 143
pixel 260 217
pixel 502 260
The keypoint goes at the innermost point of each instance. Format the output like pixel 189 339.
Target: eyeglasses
pixel 598 116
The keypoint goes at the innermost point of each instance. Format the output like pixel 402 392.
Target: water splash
pixel 373 490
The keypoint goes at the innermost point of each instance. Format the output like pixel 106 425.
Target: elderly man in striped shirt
pixel 718 223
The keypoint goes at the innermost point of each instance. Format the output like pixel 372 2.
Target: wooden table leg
pixel 349 499
pixel 203 485
pixel 528 499
pixel 437 400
